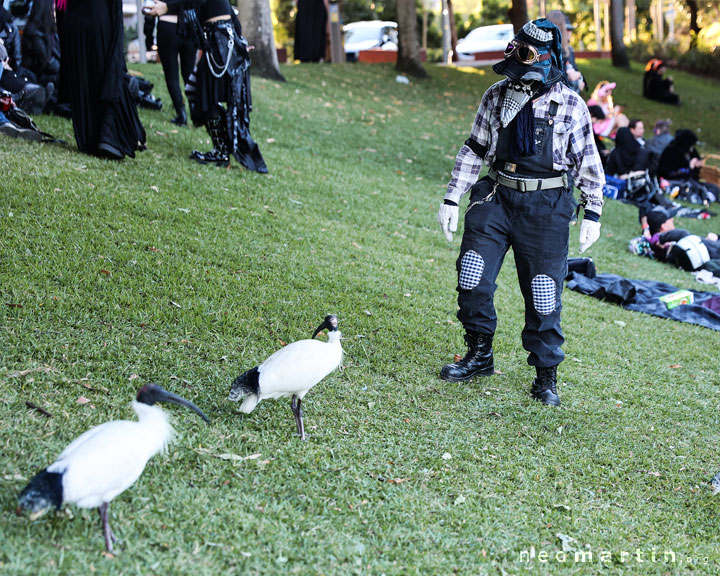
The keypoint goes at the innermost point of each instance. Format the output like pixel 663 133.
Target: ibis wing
pixel 298 367
pixel 105 464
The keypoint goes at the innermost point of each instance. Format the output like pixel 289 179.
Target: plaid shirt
pixel 573 144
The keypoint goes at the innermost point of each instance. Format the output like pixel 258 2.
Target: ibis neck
pixel 334 336
pixel 155 420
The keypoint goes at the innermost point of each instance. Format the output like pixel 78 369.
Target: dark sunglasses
pixel 525 53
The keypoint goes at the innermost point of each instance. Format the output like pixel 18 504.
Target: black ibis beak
pixel 330 322
pixel 152 393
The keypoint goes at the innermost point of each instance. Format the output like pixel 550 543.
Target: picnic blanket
pixel 643 296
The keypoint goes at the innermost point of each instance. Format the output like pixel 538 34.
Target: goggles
pixel 525 53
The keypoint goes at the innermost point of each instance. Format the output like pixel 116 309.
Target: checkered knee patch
pixel 544 292
pixel 471 270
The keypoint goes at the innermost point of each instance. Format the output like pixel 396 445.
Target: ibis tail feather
pixel 248 383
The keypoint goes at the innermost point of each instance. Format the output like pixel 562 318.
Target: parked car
pixel 368 35
pixel 493 38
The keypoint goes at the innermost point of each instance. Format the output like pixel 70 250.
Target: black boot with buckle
pixel 477 362
pixel 544 387
pixel 218 155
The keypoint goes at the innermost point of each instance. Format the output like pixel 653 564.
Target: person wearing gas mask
pixel 530 130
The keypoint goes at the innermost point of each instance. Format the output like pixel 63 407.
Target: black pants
pixel 170 47
pixel 536 226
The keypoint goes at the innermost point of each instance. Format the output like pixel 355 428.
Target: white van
pixel 493 38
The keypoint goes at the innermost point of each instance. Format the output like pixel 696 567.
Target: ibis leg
pixel 104 510
pixel 296 406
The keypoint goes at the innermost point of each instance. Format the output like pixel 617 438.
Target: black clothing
pixel 655 87
pixel 92 77
pixel 500 217
pixel 222 76
pixel 27 95
pixel 310 30
pixel 627 156
pixel 655 147
pixel 674 163
pixel 206 9
pixel 11 38
pixel 41 55
pixel 170 47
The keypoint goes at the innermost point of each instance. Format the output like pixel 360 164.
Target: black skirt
pixel 92 77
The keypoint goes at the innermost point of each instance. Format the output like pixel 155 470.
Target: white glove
pixel 448 218
pixel 589 233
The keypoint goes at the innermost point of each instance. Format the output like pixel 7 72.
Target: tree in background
pixel 408 60
pixel 256 20
pixel 618 53
pixel 518 14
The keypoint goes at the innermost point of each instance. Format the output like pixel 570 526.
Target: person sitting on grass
pixel 628 155
pixel 655 87
pixel 664 237
pixel 680 163
pixel 657 144
pixel 614 118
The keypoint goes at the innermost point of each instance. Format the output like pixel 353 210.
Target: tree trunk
pixel 408 58
pixel 256 21
pixel 618 52
pixel 518 14
pixel 453 31
pixel 693 6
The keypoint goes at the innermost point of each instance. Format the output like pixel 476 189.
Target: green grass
pixel 156 269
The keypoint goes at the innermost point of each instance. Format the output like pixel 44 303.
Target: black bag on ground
pixel 584 266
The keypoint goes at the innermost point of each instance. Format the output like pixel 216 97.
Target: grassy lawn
pixel 159 270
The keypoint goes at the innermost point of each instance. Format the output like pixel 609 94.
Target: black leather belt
pixel 528 185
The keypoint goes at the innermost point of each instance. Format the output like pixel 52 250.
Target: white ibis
pixel 715 484
pixel 291 371
pixel 105 461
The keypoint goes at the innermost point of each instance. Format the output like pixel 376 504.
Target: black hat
pixel 656 218
pixel 596 112
pixel 545 37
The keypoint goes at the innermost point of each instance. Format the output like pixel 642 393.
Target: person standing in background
pixel 530 130
pixel 173 48
pixel 311 30
pixel 221 76
pixel 92 78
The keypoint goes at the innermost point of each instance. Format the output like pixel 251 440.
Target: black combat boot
pixel 544 387
pixel 477 362
pixel 218 155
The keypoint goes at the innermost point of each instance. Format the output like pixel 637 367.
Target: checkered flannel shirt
pixel 573 144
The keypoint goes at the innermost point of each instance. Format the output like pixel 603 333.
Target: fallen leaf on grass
pixel 108 554
pixel 675 366
pixel 83 400
pixel 106 272
pixel 237 457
